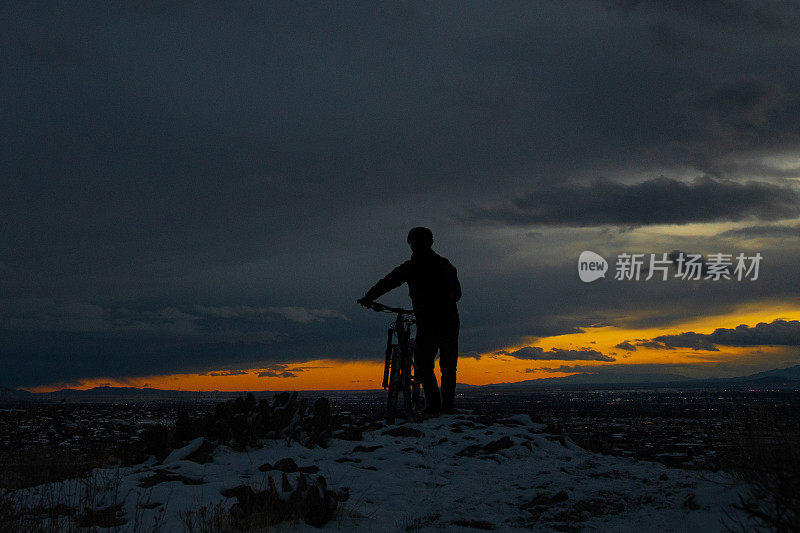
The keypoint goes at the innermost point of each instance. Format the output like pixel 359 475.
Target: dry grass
pixel 207 519
pixel 765 452
pixel 28 467
pixel 89 502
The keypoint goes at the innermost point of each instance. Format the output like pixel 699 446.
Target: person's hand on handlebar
pixel 366 302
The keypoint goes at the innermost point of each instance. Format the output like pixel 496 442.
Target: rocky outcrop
pixel 245 422
pixel 309 500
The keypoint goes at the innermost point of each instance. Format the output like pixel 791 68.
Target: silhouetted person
pixel 434 289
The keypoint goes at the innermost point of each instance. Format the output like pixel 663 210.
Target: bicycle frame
pixel 398 372
pixel 401 330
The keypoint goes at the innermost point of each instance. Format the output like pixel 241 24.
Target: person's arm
pixel 393 279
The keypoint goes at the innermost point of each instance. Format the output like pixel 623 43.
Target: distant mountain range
pixel 790 375
pixel 15 394
pixel 779 377
pixel 112 393
pixel 606 378
pixel 784 377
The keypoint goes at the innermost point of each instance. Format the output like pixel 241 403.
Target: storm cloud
pixel 656 201
pixel 755 232
pixel 280 370
pixel 224 373
pixel 627 346
pixel 189 189
pixel 775 333
pixel 557 354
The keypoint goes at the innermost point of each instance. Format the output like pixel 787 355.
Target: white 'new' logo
pixel 591 266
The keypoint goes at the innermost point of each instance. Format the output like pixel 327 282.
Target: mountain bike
pixel 398 371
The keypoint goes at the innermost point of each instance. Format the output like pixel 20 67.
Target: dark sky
pixel 213 185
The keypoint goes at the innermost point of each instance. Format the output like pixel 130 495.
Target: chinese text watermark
pixel 714 267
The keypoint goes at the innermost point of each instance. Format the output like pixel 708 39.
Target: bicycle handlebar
pixel 379 307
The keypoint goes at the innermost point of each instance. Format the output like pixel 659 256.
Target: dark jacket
pixel 432 284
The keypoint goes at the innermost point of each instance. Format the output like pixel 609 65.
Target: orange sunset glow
pixel 490 367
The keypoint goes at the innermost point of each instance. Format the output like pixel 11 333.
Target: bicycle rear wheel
pixel 394 386
pixel 405 381
pixel 417 403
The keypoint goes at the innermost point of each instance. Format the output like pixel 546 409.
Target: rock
pixel 108 517
pixel 250 402
pixel 317 426
pixel 488 448
pixel 163 476
pixel 283 408
pixel 302 484
pixel 374 426
pixel 241 493
pixel 403 431
pixel 203 454
pixel 474 524
pixel 497 445
pixel 690 503
pixel 286 465
pixel 366 449
pixel 543 501
pixel 239 428
pixel 183 452
pixel 285 485
pixel 151 505
pixel 303 408
pixel 263 405
pixel 281 400
pixel 524 420
pixel 311 469
pixel 157 441
pixel 186 429
pixel 349 433
pixel 318 509
pixel 322 412
pixel 484 419
pixel 320 504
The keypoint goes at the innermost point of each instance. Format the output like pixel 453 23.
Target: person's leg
pixel 448 360
pixel 424 356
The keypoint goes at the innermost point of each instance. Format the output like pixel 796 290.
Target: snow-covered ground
pixel 451 472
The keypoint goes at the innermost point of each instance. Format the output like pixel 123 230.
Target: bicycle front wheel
pixel 395 383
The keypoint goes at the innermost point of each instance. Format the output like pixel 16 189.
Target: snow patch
pixel 447 472
pixel 183 453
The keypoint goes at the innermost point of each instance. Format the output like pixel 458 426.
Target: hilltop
pixel 251 464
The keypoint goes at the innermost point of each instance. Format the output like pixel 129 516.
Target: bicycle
pixel 398 371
